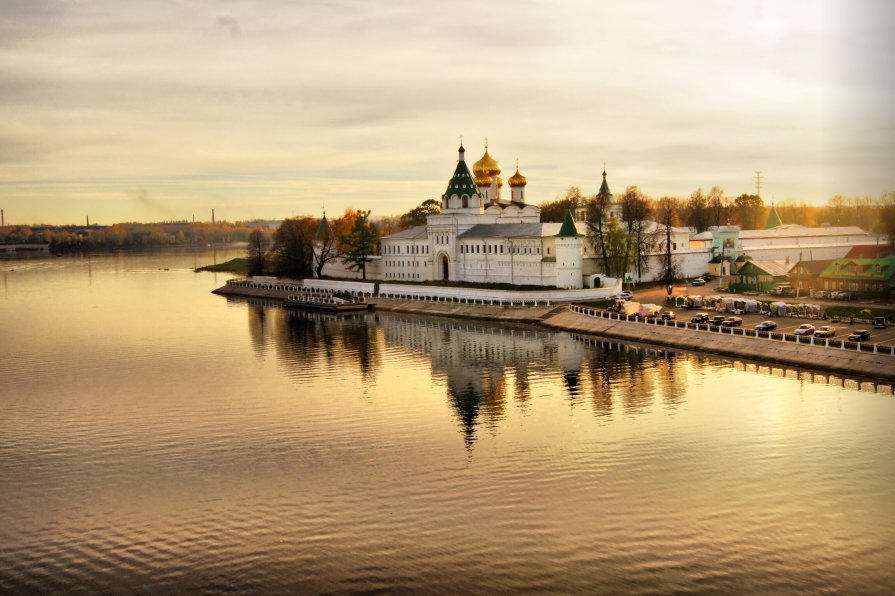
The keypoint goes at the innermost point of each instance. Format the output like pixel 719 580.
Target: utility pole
pixel 212 217
pixel 2 219
pixel 758 183
pixel 88 221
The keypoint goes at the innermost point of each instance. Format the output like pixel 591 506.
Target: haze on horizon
pixel 156 110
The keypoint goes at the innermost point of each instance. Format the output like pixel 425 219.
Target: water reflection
pixel 483 367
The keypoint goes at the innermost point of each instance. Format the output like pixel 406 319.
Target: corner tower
pixel 569 272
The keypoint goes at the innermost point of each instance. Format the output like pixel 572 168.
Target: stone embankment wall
pixel 845 362
pixel 833 360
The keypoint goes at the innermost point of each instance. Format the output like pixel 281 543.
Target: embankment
pixel 844 362
pixel 832 360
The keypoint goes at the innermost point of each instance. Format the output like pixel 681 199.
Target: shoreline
pixel 559 317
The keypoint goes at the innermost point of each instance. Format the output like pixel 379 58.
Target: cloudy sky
pixel 151 110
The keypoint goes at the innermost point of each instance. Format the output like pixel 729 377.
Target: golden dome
pixel 483 180
pixel 487 166
pixel 499 182
pixel 517 179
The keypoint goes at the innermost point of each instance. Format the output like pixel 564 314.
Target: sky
pixel 154 110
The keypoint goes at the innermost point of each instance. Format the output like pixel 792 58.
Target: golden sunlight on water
pixel 155 437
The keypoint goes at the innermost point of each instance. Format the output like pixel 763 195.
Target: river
pixel 157 438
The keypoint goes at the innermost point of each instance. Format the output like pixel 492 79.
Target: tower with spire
pixel 773 219
pixel 461 192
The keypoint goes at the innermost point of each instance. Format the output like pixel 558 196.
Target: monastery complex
pixel 487 234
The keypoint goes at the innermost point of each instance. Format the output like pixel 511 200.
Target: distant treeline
pixel 703 209
pixel 132 235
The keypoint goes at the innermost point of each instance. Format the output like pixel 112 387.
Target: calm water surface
pixel 157 438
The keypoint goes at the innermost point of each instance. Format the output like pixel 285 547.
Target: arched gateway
pixel 445 268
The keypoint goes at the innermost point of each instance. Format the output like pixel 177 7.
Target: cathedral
pixel 483 236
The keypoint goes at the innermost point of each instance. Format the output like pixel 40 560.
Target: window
pixel 548 251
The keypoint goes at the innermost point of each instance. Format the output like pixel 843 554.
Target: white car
pixel 804 330
pixel 626 295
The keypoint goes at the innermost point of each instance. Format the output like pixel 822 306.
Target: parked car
pixel 626 295
pixel 840 296
pixel 766 326
pixel 859 335
pixel 805 329
pixel 880 322
pixel 825 331
pixel 700 318
pixel 716 319
pixel 698 282
pixel 732 322
pixel 667 315
pixel 820 294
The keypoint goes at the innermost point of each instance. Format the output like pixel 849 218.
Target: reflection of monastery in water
pixel 486 368
pixel 479 362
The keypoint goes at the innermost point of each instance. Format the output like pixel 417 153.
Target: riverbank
pixel 848 362
pixel 559 317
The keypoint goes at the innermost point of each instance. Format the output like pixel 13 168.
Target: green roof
pixel 323 230
pixel 604 187
pixel 863 269
pixel 461 182
pixel 773 219
pixel 568 227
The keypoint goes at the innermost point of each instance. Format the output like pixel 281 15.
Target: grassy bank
pixel 240 266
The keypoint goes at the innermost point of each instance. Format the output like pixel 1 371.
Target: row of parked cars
pixel 717 320
pixel 824 331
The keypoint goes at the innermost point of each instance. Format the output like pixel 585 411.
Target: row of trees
pixel 703 210
pixel 127 235
pixel 302 246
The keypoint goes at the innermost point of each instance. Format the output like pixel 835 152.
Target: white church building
pixel 481 235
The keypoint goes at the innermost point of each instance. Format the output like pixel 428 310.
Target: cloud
pixel 229 24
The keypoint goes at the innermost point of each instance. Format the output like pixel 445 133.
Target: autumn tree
pixel 293 247
pixel 596 219
pixel 360 243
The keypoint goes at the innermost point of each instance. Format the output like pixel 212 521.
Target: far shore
pixel 864 364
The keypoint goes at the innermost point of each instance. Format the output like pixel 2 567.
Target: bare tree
pixel 718 206
pixel 667 211
pixel 637 210
pixel 596 219
pixel 697 211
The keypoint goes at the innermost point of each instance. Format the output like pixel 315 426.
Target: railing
pixel 809 340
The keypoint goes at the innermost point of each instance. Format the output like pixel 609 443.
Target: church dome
pixel 483 180
pixel 487 166
pixel 517 179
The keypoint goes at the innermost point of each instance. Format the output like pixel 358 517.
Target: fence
pixel 737 331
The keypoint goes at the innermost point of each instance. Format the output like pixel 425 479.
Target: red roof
pixel 870 251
